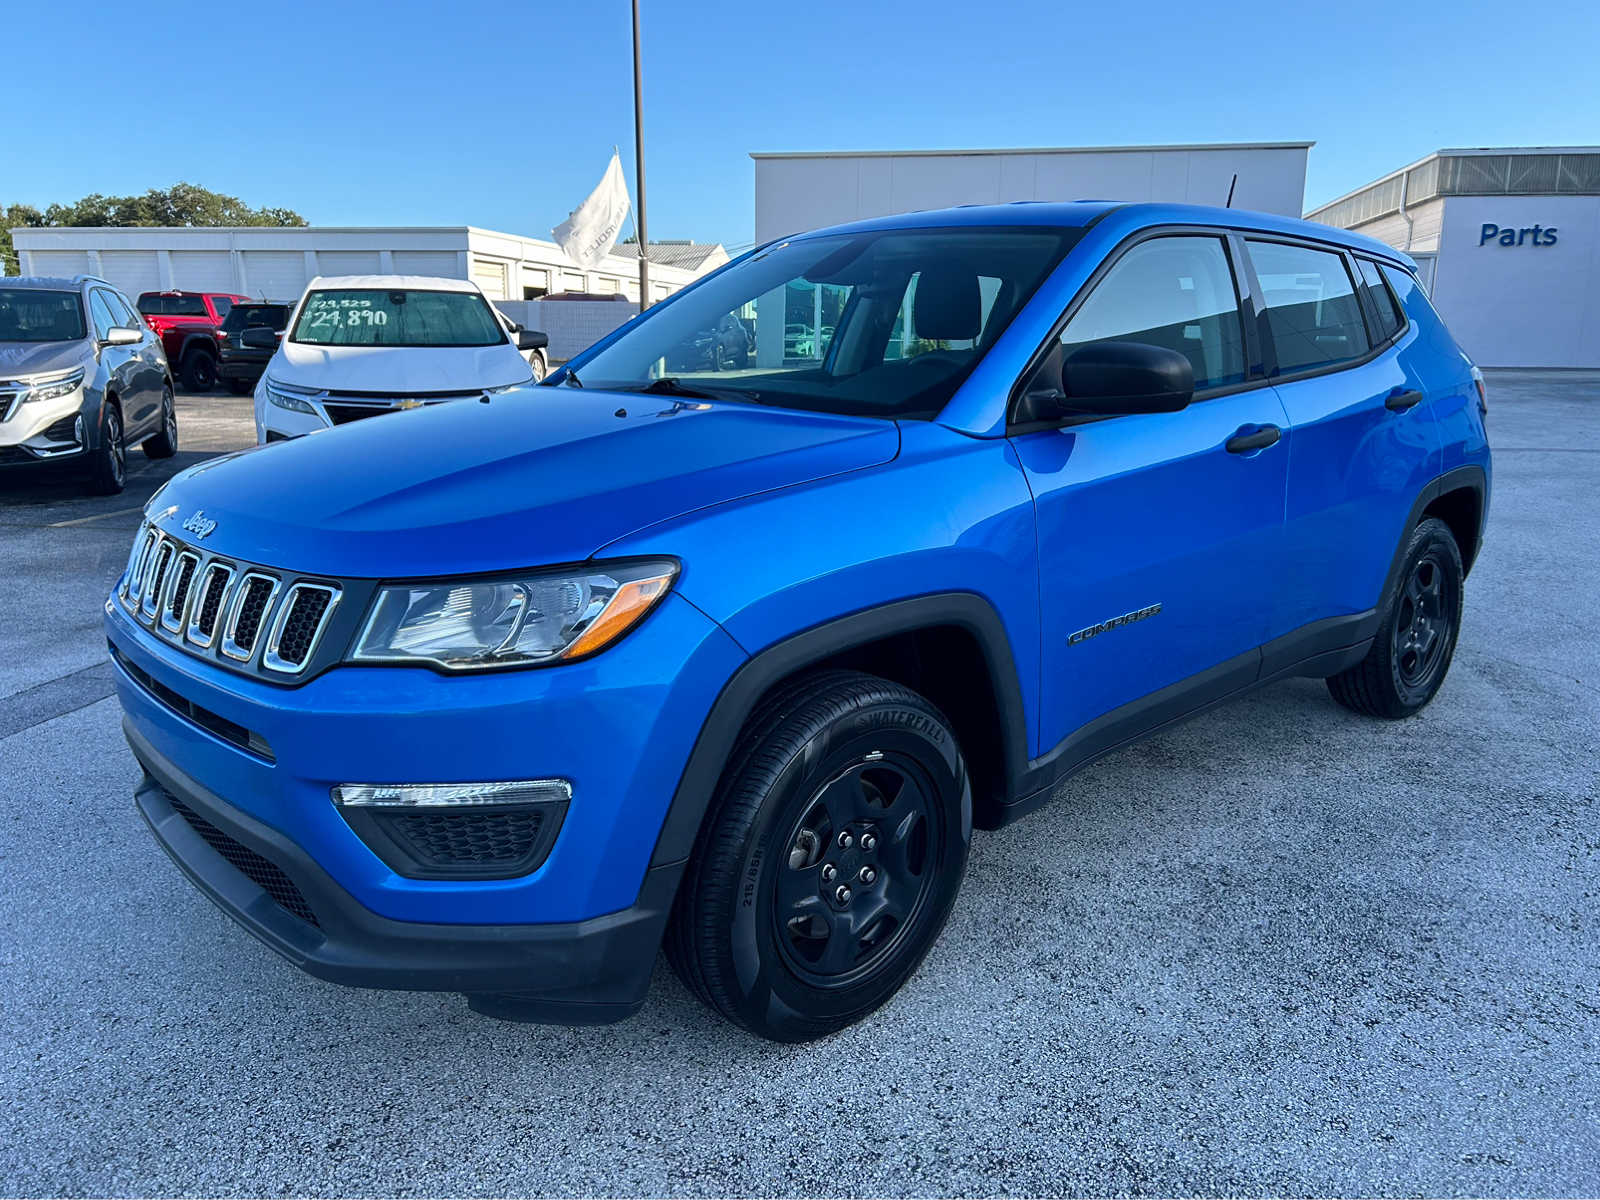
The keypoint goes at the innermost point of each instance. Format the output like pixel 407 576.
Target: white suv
pixel 364 345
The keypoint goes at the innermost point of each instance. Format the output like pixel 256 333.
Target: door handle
pixel 1258 439
pixel 1399 401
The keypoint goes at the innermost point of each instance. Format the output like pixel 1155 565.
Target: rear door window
pixel 1390 319
pixel 1313 314
pixel 1173 292
pixel 222 304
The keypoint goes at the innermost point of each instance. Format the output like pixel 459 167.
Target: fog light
pixel 451 795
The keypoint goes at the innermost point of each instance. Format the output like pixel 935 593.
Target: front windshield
pixel 403 317
pixel 884 323
pixel 36 315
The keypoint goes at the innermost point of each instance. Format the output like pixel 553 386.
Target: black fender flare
pixel 966 610
pixel 205 341
pixel 1472 478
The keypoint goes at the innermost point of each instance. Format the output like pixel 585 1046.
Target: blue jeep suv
pixel 501 697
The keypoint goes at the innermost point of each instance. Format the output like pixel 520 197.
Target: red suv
pixel 189 325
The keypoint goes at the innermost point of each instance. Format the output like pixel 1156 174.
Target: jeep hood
pixel 398 370
pixel 533 476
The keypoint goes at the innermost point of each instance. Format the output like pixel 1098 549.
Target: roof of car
pixel 416 283
pixel 55 283
pixel 1080 213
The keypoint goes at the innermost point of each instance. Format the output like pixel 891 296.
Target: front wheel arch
pixel 872 640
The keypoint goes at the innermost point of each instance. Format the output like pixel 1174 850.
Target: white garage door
pixel 131 271
pixel 64 263
pixel 347 262
pixel 275 274
pixel 202 271
pixel 440 263
pixel 491 277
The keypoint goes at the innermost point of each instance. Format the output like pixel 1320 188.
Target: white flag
pixel 589 233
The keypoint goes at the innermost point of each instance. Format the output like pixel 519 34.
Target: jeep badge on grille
pixel 199 524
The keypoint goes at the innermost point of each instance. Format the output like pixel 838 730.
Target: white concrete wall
pixel 800 192
pixel 1525 305
pixel 572 325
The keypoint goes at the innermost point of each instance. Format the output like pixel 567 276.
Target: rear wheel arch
pixel 950 648
pixel 1460 508
pixel 1445 489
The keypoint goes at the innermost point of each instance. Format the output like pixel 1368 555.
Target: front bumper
pixel 584 923
pixel 582 972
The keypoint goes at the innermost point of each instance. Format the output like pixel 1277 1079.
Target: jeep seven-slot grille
pixel 245 617
pixel 266 875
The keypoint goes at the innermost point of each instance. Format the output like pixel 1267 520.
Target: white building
pixel 275 263
pixel 1507 242
pixel 797 192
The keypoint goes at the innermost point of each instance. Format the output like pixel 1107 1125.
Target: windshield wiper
pixel 671 385
pixel 570 379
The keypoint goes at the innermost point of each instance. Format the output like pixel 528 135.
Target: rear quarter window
pixel 1391 318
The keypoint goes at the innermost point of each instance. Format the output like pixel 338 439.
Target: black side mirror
pixel 532 339
pixel 1113 378
pixel 259 337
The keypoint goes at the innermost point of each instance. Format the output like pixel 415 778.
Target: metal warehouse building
pixel 795 192
pixel 275 263
pixel 1507 241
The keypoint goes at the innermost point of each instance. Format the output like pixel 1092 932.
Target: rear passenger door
pixel 1362 442
pixel 1156 543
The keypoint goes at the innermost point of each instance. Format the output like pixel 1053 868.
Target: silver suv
pixel 80 375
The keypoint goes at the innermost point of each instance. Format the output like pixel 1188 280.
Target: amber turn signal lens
pixel 627 608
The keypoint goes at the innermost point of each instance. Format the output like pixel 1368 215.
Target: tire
pixel 241 387
pixel 108 462
pixel 741 358
pixel 539 369
pixel 199 371
pixel 719 358
pixel 838 780
pixel 165 443
pixel 1417 637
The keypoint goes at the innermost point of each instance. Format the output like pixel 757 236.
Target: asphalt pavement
pixel 1281 949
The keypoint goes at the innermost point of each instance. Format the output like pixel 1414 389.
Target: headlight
pixel 542 617
pixel 54 389
pixel 285 398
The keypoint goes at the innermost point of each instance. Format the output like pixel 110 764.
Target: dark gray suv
pixel 81 376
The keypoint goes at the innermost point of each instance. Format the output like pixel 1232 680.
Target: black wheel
pixel 829 861
pixel 741 357
pixel 719 358
pixel 108 462
pixel 199 371
pixel 165 443
pixel 241 387
pixel 1411 653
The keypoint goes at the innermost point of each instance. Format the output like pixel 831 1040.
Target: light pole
pixel 638 163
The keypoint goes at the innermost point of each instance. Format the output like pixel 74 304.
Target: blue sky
pixel 503 115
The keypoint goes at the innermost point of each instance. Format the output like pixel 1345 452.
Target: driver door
pixel 1157 544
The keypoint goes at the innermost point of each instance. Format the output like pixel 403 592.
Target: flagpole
pixel 638 168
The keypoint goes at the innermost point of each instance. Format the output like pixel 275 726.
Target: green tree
pixel 180 204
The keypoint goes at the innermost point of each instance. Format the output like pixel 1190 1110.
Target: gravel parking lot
pixel 1281 949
